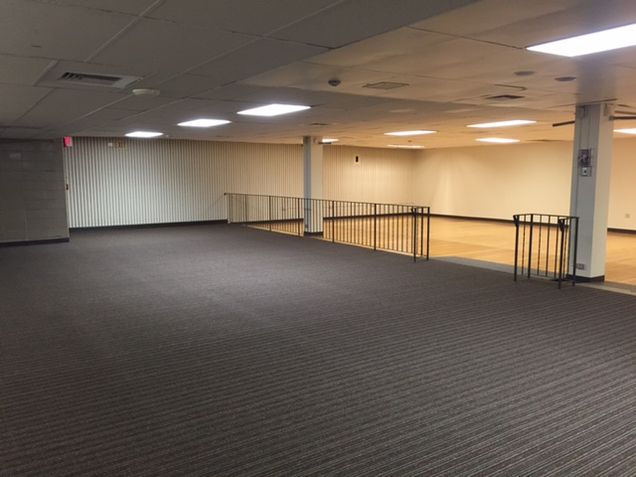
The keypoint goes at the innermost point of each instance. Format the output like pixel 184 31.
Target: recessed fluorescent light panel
pixel 203 123
pixel 144 134
pixel 274 110
pixel 604 40
pixel 406 146
pixel 497 140
pixel 626 131
pixel 502 124
pixel 419 132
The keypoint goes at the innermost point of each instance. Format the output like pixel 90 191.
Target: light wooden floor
pixel 495 242
pixel 482 240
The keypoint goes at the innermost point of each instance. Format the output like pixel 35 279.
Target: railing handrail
pixel 538 214
pixel 330 200
pixel 339 218
pixel 565 245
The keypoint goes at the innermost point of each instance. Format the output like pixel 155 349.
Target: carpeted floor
pixel 224 351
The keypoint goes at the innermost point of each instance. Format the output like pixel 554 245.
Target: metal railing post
pixel 229 207
pixel 333 221
pixel 428 233
pixel 375 226
pixel 414 219
pixel 561 258
pixel 576 246
pixel 245 197
pixel 515 218
pixel 269 212
pixel 530 240
pixel 301 220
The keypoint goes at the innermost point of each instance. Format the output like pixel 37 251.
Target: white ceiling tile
pixel 29 28
pixel 254 58
pixel 450 62
pixel 160 46
pixel 255 17
pixel 17 100
pixel 65 105
pixel 185 85
pixel 354 20
pixel 20 70
pixel 133 7
pixel 580 18
pixel 488 15
pixel 142 103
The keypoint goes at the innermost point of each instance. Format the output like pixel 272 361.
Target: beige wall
pixel 495 181
pixel 174 181
pixel 498 181
pixel 159 181
pixel 381 175
pixel 623 185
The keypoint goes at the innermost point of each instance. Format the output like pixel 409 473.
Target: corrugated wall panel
pixel 381 175
pixel 160 181
pixel 164 181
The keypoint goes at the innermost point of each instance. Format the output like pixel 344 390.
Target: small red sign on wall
pixel 68 141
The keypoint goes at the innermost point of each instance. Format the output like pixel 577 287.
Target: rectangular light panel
pixel 497 140
pixel 419 132
pixel 604 40
pixel 502 124
pixel 274 110
pixel 144 134
pixel 405 146
pixel 203 123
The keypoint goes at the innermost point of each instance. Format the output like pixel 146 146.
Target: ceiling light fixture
pixel 497 140
pixel 626 131
pixel 203 123
pixel 146 92
pixel 275 109
pixel 596 42
pixel 502 124
pixel 419 132
pixel 405 146
pixel 144 134
pixel 328 140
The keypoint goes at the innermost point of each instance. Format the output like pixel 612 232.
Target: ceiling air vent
pixel 504 97
pixel 92 79
pixel 385 85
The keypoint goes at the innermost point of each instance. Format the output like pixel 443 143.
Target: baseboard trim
pixel 580 279
pixel 622 231
pixel 149 226
pixel 466 217
pixel 34 242
pixel 510 221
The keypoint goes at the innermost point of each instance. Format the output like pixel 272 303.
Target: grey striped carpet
pixel 224 351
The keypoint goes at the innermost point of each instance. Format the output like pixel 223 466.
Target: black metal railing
pixel 546 246
pixel 391 227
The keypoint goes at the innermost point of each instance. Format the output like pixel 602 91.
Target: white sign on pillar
pixel 313 213
pixel 591 169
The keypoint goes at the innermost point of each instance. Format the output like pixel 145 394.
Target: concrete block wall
pixel 32 195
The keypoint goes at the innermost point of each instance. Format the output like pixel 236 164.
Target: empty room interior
pixel 317 237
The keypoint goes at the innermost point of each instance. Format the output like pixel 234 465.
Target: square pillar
pixel 591 169
pixel 312 172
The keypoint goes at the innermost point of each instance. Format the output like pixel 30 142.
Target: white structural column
pixel 312 149
pixel 591 169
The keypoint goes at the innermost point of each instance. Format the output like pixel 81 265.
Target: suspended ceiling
pixel 215 58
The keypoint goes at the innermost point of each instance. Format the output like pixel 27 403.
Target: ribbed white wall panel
pixel 160 181
pixel 381 175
